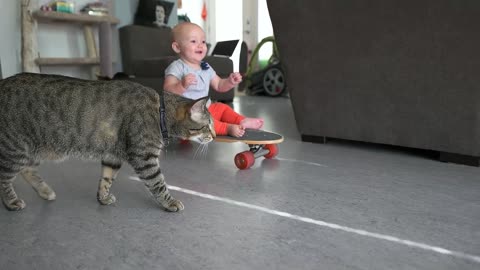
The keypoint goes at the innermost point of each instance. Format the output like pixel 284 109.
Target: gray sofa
pixel 394 72
pixel 147 52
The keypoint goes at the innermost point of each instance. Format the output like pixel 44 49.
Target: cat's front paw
pixel 107 200
pixel 174 205
pixel 46 192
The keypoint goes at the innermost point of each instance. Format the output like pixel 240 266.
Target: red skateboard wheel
pixel 244 160
pixel 272 150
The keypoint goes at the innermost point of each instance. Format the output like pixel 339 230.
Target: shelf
pixel 30 60
pixel 56 61
pixel 73 17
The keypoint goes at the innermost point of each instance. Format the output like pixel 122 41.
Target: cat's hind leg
pixel 147 167
pixel 30 174
pixel 8 172
pixel 109 173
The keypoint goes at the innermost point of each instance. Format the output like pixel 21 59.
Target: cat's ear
pixel 209 102
pixel 197 110
pixel 199 105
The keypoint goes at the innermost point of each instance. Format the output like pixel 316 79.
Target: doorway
pixel 247 20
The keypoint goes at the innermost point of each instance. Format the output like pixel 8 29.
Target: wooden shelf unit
pixel 73 17
pixel 102 56
pixel 52 61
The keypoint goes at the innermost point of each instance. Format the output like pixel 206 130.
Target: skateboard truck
pixel 246 159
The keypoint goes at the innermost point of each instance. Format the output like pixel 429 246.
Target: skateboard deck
pixel 253 136
pixel 261 143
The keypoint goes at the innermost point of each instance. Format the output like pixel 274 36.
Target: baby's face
pixel 193 46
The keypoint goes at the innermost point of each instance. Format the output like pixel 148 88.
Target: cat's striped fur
pixel 52 117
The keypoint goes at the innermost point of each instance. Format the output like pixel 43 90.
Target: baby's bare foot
pixel 235 130
pixel 254 123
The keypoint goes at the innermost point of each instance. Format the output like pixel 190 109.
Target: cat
pixel 52 117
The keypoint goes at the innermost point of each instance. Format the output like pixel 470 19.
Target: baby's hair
pixel 179 28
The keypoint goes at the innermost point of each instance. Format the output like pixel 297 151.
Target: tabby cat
pixel 51 117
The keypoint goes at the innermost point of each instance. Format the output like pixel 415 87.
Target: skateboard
pixel 261 143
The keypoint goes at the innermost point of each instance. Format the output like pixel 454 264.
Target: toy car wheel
pixel 274 82
pixel 244 160
pixel 272 150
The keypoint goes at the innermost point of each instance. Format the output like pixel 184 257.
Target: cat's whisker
pixel 205 150
pixel 202 150
pixel 195 155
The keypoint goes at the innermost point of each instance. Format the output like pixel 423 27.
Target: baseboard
pixel 459 159
pixel 436 155
pixel 314 139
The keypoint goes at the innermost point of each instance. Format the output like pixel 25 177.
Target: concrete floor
pixel 335 206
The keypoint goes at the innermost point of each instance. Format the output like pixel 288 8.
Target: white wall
pixel 10 54
pixel 250 23
pixel 229 24
pixel 59 39
pixel 247 20
pixel 63 40
pixel 265 29
pixel 224 20
pixel 193 8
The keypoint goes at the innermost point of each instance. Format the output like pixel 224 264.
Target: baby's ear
pixel 176 47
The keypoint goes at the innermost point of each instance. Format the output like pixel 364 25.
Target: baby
pixel 189 76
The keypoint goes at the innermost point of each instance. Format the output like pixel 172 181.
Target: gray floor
pixel 335 206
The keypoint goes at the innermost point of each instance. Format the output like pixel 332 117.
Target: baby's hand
pixel 188 80
pixel 235 78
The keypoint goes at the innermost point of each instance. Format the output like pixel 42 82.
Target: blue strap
pixel 163 124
